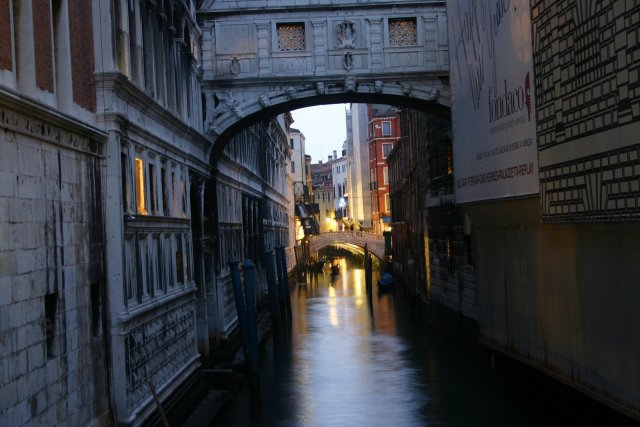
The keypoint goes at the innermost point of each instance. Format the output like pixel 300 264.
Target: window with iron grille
pixel 402 32
pixel 290 36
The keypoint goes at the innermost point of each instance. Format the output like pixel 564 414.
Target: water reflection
pixel 358 361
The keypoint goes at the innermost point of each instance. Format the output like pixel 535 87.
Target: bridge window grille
pixel 291 37
pixel 402 32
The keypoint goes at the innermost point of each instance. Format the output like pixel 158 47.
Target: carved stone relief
pixel 346 34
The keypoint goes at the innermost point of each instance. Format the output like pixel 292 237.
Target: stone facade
pixel 314 52
pixel 53 345
pixel 432 237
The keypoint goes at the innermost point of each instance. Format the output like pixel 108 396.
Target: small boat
pixel 385 282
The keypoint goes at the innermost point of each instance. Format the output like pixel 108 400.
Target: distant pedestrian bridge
pixel 373 242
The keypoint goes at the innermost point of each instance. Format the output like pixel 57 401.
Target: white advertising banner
pixel 492 86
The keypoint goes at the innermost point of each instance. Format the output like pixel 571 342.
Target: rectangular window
pixel 293 166
pixel 293 145
pixel 174 193
pixel 386 128
pixel 165 191
pixel 387 202
pixel 385 176
pixel 183 190
pixel 386 149
pixel 179 259
pixel 153 191
pixel 402 32
pixel 140 197
pixel 6 48
pixel 290 36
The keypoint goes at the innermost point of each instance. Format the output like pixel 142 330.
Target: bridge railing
pixel 349 233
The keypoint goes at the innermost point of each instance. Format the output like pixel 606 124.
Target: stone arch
pixel 374 243
pixel 230 109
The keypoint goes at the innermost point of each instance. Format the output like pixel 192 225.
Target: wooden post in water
pixel 272 285
pixel 281 257
pixel 248 268
pixel 367 270
pixel 238 295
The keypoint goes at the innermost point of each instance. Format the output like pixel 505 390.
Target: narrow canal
pixel 355 361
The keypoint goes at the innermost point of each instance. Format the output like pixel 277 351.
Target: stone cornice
pixel 120 85
pixel 273 9
pixel 42 122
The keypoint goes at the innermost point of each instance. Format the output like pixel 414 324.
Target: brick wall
pixel 43 44
pixel 82 63
pixel 6 62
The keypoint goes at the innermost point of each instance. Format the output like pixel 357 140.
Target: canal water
pixel 355 361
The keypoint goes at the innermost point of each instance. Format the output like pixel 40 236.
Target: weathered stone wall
pixel 52 347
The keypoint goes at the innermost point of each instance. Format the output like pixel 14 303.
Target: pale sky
pixel 324 128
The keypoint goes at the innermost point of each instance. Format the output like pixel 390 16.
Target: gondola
pixel 386 282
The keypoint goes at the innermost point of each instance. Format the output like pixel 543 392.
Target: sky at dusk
pixel 324 128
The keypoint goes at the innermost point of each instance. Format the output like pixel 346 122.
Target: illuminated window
pixel 402 32
pixel 290 37
pixel 140 200
pixel 385 175
pixel 387 202
pixel 449 160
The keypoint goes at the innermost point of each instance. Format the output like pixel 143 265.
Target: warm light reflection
pixel 357 286
pixel 333 317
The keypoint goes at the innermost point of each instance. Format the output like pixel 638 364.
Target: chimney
pixel 335 155
pixel 330 158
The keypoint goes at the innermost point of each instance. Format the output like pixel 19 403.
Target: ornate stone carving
pixel 346 34
pixel 264 101
pixel 235 66
pixel 407 88
pixel 349 84
pixel 378 85
pixel 45 131
pixel 347 62
pixel 434 94
pixel 157 350
pixel 218 105
pixel 321 88
pixel 292 93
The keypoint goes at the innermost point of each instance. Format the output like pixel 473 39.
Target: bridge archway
pixel 421 100
pixel 261 61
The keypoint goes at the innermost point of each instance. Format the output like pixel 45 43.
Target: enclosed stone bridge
pixel 373 242
pixel 261 58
